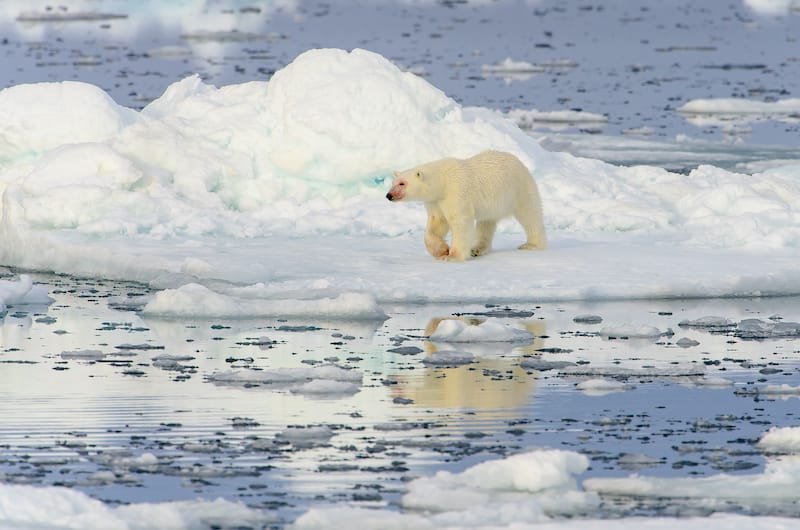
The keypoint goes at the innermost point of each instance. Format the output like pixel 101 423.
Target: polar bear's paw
pixel 529 246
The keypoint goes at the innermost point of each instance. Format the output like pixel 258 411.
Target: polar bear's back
pixel 499 181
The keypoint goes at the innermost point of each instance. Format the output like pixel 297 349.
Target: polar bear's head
pixel 408 185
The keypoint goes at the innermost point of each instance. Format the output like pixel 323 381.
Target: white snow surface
pixel 270 195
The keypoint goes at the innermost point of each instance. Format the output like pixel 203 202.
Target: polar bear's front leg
pixel 435 231
pixel 463 236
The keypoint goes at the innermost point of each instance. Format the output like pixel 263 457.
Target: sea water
pixel 274 368
pixel 284 416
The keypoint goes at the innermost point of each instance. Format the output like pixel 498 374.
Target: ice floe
pixel 491 330
pixel 281 183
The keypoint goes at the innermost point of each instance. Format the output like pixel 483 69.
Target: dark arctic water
pixel 129 409
pixel 635 62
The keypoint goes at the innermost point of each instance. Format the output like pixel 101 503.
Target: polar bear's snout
pixel 398 191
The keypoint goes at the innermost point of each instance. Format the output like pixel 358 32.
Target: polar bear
pixel 469 197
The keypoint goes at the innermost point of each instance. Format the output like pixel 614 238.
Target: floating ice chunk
pixel 302 436
pixel 707 322
pixel 770 7
pixel 634 460
pixel 602 387
pixel 174 357
pixel 195 300
pixel 22 292
pixel 529 119
pixel 322 379
pixel 781 439
pixel 449 358
pixel 779 390
pixel 219 513
pixel 356 517
pixel 779 481
pixel 713 382
pixel 736 106
pixel 320 387
pixel 523 488
pixel 83 355
pixel 631 331
pixel 685 342
pixel 333 372
pixel 645 371
pixel 67 16
pixel 542 365
pixel 753 328
pixel 491 330
pixel 510 66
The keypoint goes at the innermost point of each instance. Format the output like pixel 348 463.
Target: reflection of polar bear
pixel 469 197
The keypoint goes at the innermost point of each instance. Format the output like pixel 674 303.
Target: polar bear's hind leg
pixel 530 218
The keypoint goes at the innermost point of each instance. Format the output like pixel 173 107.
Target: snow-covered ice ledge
pixel 271 195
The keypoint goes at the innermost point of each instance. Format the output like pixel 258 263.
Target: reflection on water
pixel 127 409
pixel 493 386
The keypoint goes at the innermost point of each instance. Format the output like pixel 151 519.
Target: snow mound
pixel 43 116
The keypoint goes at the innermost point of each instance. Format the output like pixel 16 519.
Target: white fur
pixel 469 197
